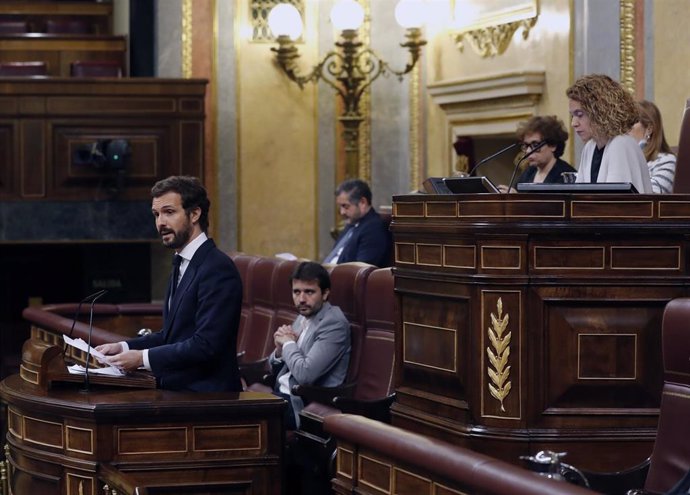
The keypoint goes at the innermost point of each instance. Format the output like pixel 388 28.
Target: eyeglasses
pixel 530 146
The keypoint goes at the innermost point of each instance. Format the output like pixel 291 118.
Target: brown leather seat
pixel 23 69
pixel 67 26
pixel 13 27
pixel 96 68
pixel 670 458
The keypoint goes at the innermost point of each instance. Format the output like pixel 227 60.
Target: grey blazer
pixel 324 356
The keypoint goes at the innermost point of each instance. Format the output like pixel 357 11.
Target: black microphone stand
pixel 491 157
pixel 517 165
pixel 88 349
pixel 76 313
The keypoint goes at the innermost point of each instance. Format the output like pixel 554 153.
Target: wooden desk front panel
pixel 518 334
pixel 43 123
pixel 59 438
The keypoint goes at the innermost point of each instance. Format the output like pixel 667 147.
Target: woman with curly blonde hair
pixel 602 112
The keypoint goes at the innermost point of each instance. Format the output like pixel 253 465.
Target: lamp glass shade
pixel 410 13
pixel 284 20
pixel 347 14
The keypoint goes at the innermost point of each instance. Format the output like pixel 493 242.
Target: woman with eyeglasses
pixel 602 113
pixel 649 133
pixel 542 142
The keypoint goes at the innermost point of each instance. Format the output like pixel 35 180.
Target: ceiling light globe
pixel 410 13
pixel 347 14
pixel 284 20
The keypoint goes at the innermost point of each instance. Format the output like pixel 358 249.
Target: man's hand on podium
pixel 128 361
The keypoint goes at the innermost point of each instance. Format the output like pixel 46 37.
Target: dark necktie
pixel 177 260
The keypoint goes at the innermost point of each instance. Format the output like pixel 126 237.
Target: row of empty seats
pixel 80 68
pixel 50 26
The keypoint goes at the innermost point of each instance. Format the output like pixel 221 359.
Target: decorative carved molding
pixel 415 131
pixel 627 37
pixel 498 354
pixel 493 40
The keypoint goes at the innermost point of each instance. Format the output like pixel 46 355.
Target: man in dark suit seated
pixel 196 349
pixel 315 349
pixel 366 237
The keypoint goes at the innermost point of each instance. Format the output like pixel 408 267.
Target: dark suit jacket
pixel 553 177
pixel 197 347
pixel 370 241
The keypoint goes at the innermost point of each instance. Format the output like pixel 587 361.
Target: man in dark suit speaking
pixel 196 348
pixel 366 237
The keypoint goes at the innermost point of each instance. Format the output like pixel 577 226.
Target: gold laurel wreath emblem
pixel 498 353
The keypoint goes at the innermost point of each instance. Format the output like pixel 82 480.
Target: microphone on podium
pixel 76 313
pixel 491 157
pixel 88 352
pixel 534 149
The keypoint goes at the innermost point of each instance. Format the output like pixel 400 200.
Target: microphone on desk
pixel 491 157
pixel 88 352
pixel 533 149
pixel 76 313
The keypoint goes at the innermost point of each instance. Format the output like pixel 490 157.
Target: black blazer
pixel 553 177
pixel 197 346
pixel 370 241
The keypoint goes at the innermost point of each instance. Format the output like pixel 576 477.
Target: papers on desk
pixel 79 369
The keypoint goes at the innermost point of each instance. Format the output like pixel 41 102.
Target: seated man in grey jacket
pixel 315 349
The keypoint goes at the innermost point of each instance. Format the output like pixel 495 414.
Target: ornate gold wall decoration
pixel 415 132
pixel 187 39
pixel 365 103
pixel 492 23
pixel 627 16
pixel 493 40
pixel 498 353
pixel 258 17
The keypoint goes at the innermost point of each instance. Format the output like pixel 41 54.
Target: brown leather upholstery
pixel 376 366
pixel 13 27
pixel 23 69
pixel 285 306
pixel 405 455
pixel 258 338
pixel 67 26
pixel 95 68
pixel 348 282
pixel 681 183
pixel 244 264
pixel 670 458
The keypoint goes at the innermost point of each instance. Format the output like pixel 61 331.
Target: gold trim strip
pixel 455 347
pixel 416 253
pixel 60 425
pixel 255 426
pixel 375 461
pixel 426 209
pixel 182 428
pixel 28 375
pixel 415 124
pixel 338 469
pixel 484 267
pixel 668 203
pixel 474 255
pixel 627 203
pixel 677 267
pixel 397 260
pixel 187 39
pixel 627 47
pixel 603 258
pixel 579 353
pixel 67 434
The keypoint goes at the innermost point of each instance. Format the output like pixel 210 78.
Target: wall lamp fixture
pixel 349 69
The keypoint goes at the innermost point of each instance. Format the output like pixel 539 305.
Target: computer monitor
pixel 470 185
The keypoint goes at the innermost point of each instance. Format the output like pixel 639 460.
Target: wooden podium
pixel 533 321
pixel 64 441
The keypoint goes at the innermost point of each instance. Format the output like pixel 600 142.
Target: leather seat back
pixel 348 281
pixel 377 361
pixel 681 183
pixel 670 458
